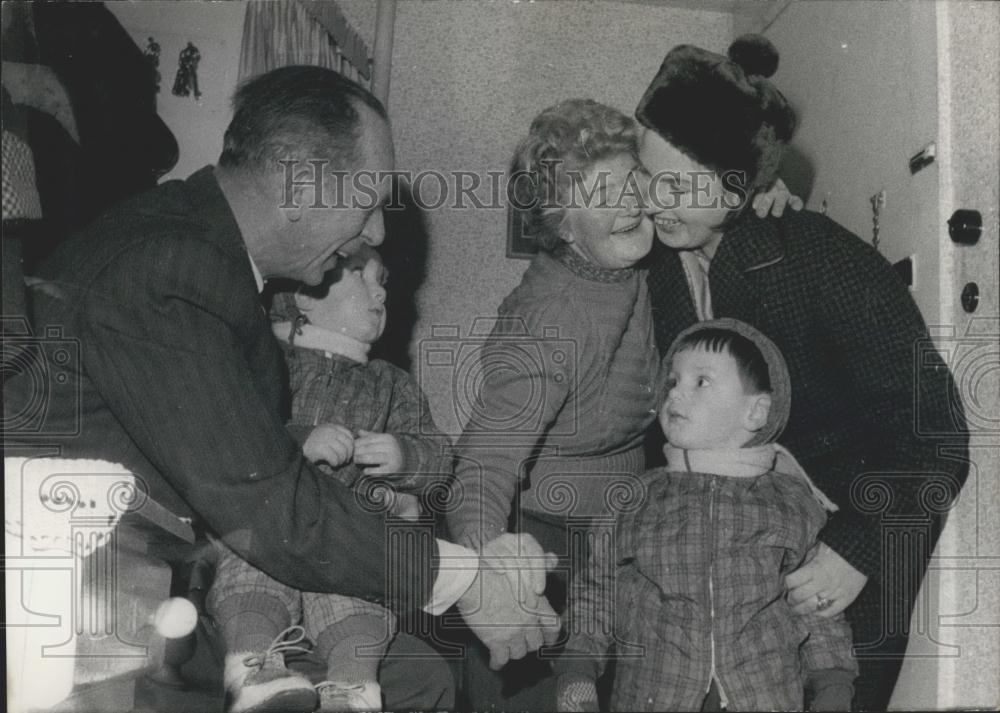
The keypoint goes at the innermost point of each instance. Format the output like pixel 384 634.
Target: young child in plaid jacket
pixel 368 424
pixel 689 592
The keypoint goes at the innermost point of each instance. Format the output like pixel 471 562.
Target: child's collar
pixel 743 463
pixel 732 462
pixel 310 336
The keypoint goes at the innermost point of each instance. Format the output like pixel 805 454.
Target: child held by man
pixel 368 424
pixel 689 594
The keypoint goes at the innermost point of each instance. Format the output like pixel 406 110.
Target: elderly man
pixel 181 380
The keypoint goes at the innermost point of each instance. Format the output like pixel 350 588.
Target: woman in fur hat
pixel 849 330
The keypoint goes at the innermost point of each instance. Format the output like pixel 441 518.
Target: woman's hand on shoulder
pixel 774 200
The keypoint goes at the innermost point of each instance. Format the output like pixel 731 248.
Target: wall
pixel 216 29
pixel 467 78
pixel 874 83
pixel 863 77
pixel 968 558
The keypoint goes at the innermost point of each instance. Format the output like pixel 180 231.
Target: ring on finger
pixel 823 603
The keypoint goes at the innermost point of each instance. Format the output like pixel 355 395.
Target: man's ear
pixel 757 412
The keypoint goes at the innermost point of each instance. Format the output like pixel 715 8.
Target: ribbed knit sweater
pixel 570 377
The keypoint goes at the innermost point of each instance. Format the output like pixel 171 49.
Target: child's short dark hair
pixel 750 363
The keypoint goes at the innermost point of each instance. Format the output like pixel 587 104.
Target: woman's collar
pixel 580 266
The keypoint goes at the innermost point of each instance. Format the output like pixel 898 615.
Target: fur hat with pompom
pixel 722 111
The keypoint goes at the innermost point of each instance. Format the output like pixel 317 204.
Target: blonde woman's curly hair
pixel 570 136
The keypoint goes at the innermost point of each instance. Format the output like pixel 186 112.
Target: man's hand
pixel 825 579
pixel 775 200
pixel 380 451
pixel 524 562
pixel 329 443
pixel 508 628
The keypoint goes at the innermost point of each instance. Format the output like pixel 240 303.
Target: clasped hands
pixel 335 444
pixel 377 453
pixel 505 606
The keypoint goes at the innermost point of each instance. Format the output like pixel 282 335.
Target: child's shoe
pixel 364 696
pixel 260 683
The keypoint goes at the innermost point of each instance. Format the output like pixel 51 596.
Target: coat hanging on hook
pixel 186 81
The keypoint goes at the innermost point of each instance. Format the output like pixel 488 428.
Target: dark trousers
pixel 712 701
pixel 880 616
pixel 412 676
pixel 526 684
pixel 880 635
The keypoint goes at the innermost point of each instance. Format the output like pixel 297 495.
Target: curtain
pixel 278 33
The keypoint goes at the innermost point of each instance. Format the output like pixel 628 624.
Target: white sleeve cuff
pixel 457 569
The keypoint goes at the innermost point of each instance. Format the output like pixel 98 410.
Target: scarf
pixel 744 463
pixel 312 337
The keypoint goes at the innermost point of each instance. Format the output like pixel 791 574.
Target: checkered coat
pixel 375 396
pixel 876 419
pixel 691 586
pixel 872 399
